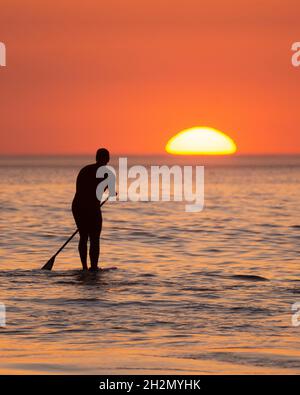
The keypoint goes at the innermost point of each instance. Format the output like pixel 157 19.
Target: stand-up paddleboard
pixel 103 269
pixel 87 272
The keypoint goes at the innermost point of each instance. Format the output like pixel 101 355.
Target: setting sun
pixel 201 141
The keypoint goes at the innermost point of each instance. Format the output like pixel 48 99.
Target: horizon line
pixel 147 155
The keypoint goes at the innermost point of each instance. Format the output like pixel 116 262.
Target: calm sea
pixel 206 292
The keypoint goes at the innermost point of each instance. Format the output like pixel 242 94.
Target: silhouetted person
pixel 86 210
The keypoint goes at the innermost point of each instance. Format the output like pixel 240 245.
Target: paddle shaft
pixel 63 246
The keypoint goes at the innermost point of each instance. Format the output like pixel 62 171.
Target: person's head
pixel 102 156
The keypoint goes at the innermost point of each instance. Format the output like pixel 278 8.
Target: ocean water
pixel 207 292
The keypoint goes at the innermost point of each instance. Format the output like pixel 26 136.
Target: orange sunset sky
pixel 129 74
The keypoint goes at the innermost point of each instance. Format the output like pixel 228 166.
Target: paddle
pixel 50 263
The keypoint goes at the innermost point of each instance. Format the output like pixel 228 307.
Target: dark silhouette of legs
pixel 94 249
pixel 89 223
pixel 82 248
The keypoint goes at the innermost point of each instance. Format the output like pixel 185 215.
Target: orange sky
pixel 128 74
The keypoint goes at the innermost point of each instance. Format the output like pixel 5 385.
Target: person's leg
pixel 94 248
pixel 94 236
pixel 82 248
pixel 79 217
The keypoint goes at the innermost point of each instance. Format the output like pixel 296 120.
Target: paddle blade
pixel 49 264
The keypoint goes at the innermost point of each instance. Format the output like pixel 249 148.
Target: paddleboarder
pixel 87 212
